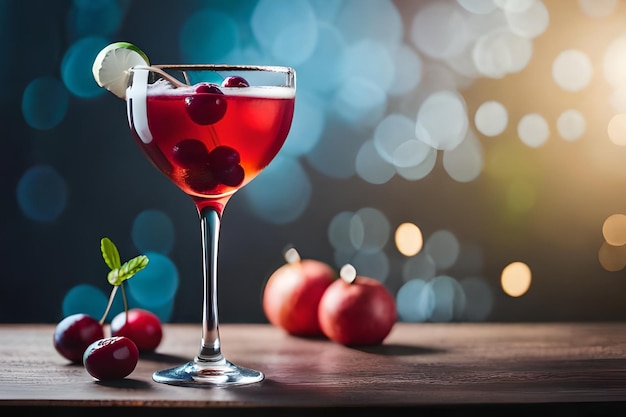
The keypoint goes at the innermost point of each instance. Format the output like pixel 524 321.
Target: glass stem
pixel 210 352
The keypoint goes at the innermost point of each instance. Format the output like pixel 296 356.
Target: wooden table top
pixel 435 368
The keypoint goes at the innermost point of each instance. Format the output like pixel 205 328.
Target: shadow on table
pixel 397 350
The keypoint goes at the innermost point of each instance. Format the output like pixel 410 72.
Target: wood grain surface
pixel 421 369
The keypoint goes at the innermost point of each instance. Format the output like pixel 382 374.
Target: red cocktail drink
pixel 210 129
pixel 211 140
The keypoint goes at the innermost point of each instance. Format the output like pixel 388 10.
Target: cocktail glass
pixel 210 129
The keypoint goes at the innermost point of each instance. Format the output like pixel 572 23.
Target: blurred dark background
pixel 494 129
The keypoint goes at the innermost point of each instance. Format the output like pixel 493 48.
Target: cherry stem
pixel 213 134
pixel 164 74
pixel 109 304
pixel 125 302
pixel 178 84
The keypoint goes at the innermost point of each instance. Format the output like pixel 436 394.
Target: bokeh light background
pixel 469 154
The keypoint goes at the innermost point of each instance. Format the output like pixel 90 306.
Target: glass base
pixel 221 374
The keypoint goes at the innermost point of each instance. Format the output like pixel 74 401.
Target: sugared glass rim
pixel 224 67
pixel 163 69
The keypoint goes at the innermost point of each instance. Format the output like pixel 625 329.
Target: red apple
pixel 143 327
pixel 357 310
pixel 293 292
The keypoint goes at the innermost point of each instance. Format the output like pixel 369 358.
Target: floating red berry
pixel 235 81
pixel 201 179
pixel 207 105
pixel 231 177
pixel 208 88
pixel 224 163
pixel 223 158
pixel 190 152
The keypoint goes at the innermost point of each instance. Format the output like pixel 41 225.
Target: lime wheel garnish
pixel 111 68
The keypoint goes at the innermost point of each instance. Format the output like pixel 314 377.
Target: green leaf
pixel 127 270
pixel 133 266
pixel 112 277
pixel 110 253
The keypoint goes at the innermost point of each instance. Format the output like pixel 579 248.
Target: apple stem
pixel 292 256
pixel 348 273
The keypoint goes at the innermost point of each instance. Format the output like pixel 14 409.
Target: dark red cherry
pixel 190 153
pixel 207 105
pixel 232 176
pixel 143 327
pixel 201 179
pixel 223 158
pixel 208 88
pixel 235 81
pixel 74 333
pixel 111 358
